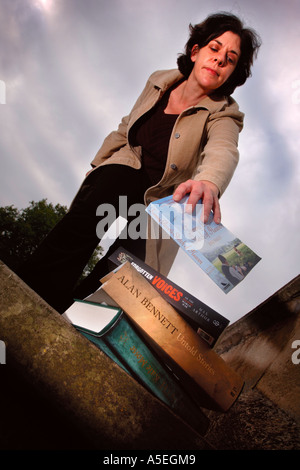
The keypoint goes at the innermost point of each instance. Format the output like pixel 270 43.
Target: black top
pixel 152 132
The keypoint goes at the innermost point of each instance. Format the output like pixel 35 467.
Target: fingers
pixel 217 210
pixel 197 190
pixel 196 194
pixel 211 203
pixel 182 190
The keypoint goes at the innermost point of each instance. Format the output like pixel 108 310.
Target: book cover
pixel 201 371
pixel 204 320
pixel 111 331
pixel 93 325
pixel 217 251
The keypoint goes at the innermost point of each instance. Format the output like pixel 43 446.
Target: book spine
pixel 101 344
pixel 203 373
pixel 207 322
pixel 126 343
pixel 126 348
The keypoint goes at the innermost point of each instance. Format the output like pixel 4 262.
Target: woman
pixel 180 138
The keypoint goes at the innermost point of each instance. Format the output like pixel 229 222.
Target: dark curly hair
pixel 214 26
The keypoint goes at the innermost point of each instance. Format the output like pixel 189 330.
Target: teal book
pixel 110 329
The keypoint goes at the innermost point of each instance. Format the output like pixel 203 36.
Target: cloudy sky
pixel 70 69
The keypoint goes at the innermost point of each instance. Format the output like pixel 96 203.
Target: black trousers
pixel 55 267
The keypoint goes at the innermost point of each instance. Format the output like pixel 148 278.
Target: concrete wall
pixel 260 348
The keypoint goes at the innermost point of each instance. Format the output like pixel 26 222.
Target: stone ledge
pixel 259 347
pixel 111 409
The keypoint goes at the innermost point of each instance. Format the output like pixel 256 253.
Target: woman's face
pixel 215 62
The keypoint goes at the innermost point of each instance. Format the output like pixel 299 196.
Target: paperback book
pixel 217 251
pixel 204 320
pixel 113 332
pixel 203 374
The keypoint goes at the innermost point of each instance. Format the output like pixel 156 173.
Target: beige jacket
pixel 203 143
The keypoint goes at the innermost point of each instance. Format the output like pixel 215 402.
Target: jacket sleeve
pixel 112 143
pixel 220 156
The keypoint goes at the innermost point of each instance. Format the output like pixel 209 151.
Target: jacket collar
pixel 164 79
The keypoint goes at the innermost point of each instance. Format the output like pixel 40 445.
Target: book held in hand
pixel 218 252
pixel 202 372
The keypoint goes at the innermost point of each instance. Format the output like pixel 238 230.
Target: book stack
pixel 208 323
pixel 112 331
pixel 202 373
pixel 133 321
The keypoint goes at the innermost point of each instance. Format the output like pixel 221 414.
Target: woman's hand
pixel 204 190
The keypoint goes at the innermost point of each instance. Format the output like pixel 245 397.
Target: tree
pixel 23 230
